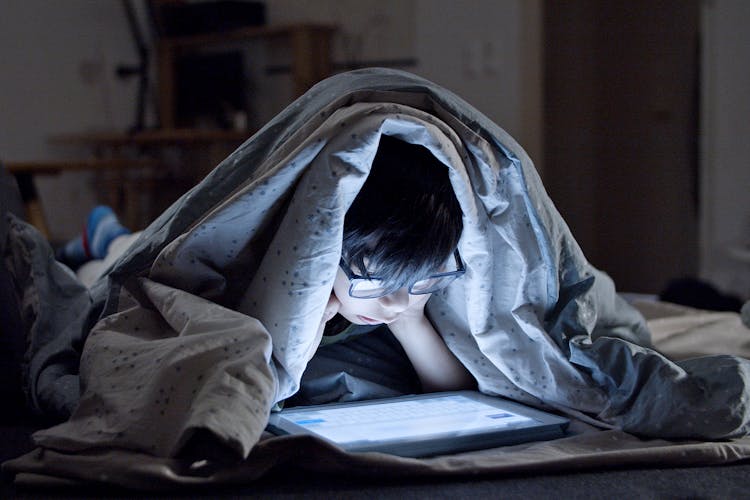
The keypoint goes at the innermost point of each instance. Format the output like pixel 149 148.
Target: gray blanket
pixel 210 317
pixel 682 333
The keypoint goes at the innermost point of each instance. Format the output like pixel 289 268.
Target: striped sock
pixel 73 253
pixel 102 227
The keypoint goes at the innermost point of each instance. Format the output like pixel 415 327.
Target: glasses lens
pixel 367 289
pixel 430 285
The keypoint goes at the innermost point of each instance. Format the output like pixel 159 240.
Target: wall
pixel 490 54
pixel 58 61
pixel 725 215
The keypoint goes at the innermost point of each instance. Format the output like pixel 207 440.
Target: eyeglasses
pixel 374 287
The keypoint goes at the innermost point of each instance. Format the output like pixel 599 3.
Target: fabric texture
pixel 53 307
pixel 210 317
pixel 586 449
pixel 598 450
pixel 367 363
pixel 12 331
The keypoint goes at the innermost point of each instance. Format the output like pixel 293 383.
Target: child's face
pixel 373 311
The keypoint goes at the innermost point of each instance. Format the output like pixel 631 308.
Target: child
pixel 399 247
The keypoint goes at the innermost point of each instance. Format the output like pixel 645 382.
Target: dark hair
pixel 406 221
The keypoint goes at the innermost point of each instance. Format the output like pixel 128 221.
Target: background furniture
pixel 142 172
pixel 24 173
pixel 310 46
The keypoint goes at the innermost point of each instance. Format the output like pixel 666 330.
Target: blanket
pixel 680 332
pixel 209 319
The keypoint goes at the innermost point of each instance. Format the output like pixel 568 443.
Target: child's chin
pixel 351 318
pixel 364 320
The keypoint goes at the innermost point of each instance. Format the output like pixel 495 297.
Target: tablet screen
pixel 416 418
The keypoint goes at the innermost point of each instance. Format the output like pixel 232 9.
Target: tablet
pixel 421 425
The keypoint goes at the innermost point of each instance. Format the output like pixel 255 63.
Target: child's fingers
pixel 331 308
pixel 330 311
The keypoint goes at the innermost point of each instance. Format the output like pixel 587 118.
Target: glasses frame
pixel 352 276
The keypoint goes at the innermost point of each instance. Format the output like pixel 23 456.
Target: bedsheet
pixel 208 320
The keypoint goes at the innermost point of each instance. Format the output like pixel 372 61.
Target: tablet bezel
pixel 544 426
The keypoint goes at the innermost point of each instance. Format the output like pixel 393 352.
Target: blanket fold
pixel 184 363
pixel 586 452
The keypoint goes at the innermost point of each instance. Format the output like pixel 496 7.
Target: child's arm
pixel 438 369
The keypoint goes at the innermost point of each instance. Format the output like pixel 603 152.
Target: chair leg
pixel 30 197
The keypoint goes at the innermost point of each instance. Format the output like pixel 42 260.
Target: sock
pixel 73 253
pixel 102 227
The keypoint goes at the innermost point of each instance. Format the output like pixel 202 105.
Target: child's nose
pixel 397 301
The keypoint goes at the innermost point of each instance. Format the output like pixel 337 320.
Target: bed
pixel 178 336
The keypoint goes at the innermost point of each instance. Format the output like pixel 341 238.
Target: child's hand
pixel 330 311
pixel 412 314
pixel 438 369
